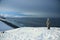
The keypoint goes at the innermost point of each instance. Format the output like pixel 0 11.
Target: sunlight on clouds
pixel 4 15
pixel 28 13
pixel 6 9
pixel 35 8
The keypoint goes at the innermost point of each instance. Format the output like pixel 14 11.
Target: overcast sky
pixel 40 8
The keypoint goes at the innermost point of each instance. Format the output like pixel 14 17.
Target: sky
pixel 38 8
pixel 12 14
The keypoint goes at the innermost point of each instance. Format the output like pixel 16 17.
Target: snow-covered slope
pixel 30 33
pixel 4 27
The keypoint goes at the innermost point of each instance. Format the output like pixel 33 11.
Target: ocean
pixel 34 22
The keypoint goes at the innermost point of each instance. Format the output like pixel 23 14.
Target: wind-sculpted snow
pixel 30 33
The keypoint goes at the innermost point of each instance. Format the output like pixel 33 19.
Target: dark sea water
pixel 34 22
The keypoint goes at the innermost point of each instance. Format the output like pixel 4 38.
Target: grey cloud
pixel 47 6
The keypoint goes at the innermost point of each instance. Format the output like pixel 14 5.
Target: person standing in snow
pixel 48 23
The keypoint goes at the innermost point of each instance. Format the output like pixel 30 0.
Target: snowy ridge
pixel 30 33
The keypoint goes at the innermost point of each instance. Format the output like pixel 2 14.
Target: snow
pixel 31 33
pixel 4 27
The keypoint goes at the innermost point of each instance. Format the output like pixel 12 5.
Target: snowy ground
pixel 4 27
pixel 30 33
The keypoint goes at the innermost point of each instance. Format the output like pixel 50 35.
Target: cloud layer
pixel 41 8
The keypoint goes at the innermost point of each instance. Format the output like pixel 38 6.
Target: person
pixel 48 23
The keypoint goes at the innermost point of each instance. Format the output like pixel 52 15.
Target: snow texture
pixel 30 33
pixel 4 27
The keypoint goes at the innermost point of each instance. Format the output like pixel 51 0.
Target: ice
pixel 31 33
